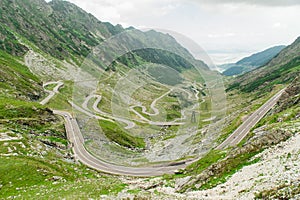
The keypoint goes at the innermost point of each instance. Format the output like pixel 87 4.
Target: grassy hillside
pixel 278 125
pixel 16 81
pixel 35 161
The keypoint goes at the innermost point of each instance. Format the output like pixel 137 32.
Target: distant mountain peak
pixel 252 62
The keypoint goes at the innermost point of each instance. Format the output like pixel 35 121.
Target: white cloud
pixel 252 2
pixel 277 25
pixel 225 35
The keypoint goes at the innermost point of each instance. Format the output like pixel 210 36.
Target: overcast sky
pixel 226 29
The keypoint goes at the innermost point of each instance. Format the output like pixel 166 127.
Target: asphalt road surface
pixel 75 137
pixel 51 93
pixel 240 133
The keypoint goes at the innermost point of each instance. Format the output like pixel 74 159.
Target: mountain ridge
pixel 252 62
pixel 282 69
pixel 53 26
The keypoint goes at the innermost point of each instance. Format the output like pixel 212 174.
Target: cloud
pixel 225 35
pixel 122 12
pixel 252 2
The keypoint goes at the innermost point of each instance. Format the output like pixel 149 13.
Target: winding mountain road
pixel 129 123
pixel 156 111
pixel 152 106
pixel 240 133
pixel 51 93
pixel 81 154
pixel 76 139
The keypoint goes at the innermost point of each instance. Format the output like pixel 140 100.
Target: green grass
pixel 17 172
pixel 28 174
pixel 29 177
pixel 285 116
pixel 60 100
pixel 16 81
pixel 10 43
pixel 281 75
pixel 50 87
pixel 11 108
pixel 169 77
pixel 171 106
pixel 134 191
pixel 232 166
pixel 118 135
pixel 139 110
pixel 24 117
pixel 173 112
pixel 205 109
pixel 53 139
pixel 193 75
pixel 250 103
pixel 211 157
pixel 197 167
pixel 148 93
pixel 230 128
pixel 8 60
pixel 226 168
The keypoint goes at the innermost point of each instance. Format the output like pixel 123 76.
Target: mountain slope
pixel 16 81
pixel 261 58
pixel 53 38
pixel 228 170
pixel 252 62
pixel 284 68
pixel 58 28
pixel 61 31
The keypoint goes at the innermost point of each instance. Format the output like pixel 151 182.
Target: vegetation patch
pixel 121 137
pixel 165 75
pixel 60 100
pixel 283 74
pixel 232 166
pixel 35 178
pixel 231 128
pixel 16 80
pixel 284 191
pixel 211 157
pixel 10 108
